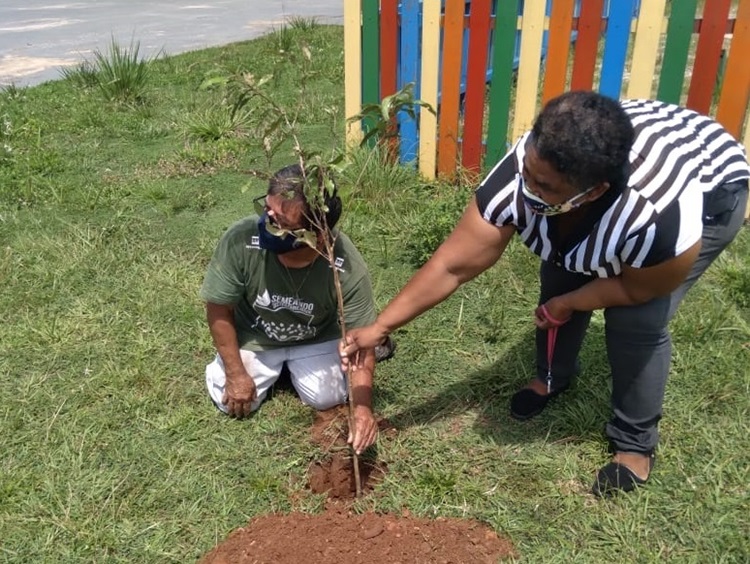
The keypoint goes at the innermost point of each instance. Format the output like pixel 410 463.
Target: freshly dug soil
pixel 334 474
pixel 338 535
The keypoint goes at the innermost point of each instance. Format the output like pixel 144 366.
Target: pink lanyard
pixel 551 340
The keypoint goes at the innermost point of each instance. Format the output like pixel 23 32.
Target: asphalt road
pixel 38 37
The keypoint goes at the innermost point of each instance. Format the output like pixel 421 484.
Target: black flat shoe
pixel 616 477
pixel 526 403
pixel 386 350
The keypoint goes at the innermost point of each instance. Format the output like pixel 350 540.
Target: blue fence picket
pixel 409 72
pixel 616 47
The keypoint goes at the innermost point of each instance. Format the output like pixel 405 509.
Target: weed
pixel 373 177
pixel 13 92
pixel 6 136
pixel 282 39
pixel 303 25
pixel 199 158
pixel 120 74
pixel 735 276
pixel 83 75
pixel 217 121
pixel 379 118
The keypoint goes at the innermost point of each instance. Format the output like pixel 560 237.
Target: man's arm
pixel 239 389
pixel 365 427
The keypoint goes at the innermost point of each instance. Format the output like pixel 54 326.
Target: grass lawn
pixel 112 451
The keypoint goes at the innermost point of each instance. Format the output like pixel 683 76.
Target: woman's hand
pixel 357 341
pixel 553 313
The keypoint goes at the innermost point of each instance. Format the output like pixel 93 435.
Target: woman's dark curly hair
pixel 586 137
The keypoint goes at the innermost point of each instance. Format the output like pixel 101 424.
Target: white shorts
pixel 315 372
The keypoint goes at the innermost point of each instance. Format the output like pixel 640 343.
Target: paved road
pixel 37 37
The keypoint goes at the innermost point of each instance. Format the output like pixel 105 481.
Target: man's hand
pixel 356 342
pixel 239 394
pixel 365 429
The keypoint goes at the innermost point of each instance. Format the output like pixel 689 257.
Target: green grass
pixel 112 451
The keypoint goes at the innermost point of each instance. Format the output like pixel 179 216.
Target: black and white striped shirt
pixel 678 155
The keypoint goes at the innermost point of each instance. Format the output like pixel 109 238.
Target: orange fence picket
pixel 556 70
pixel 450 92
pixel 708 55
pixel 587 44
pixel 735 91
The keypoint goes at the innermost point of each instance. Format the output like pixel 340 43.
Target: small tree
pixel 274 125
pixel 380 119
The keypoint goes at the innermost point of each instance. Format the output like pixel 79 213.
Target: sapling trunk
pixel 342 322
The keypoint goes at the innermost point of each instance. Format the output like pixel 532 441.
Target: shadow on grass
pixel 578 414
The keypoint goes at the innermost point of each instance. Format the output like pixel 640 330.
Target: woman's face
pixel 544 181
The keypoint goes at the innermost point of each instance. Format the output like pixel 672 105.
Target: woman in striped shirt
pixel 627 204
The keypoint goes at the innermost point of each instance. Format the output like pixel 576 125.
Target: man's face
pixel 285 213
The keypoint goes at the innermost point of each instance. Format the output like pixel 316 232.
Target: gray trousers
pixel 639 348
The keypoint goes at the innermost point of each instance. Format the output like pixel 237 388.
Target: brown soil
pixel 335 472
pixel 339 535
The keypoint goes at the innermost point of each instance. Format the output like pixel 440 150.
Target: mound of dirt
pixel 339 535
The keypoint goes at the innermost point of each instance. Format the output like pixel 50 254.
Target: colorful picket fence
pixel 534 50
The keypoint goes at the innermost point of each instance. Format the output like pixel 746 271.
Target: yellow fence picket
pixel 429 93
pixel 532 29
pixel 353 68
pixel 646 49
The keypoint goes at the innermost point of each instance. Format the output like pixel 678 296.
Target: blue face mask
pixel 540 207
pixel 277 244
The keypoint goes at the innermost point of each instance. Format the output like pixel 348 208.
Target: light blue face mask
pixel 540 207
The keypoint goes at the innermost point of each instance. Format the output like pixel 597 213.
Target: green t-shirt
pixel 276 306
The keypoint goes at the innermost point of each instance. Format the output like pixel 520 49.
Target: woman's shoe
pixel 386 350
pixel 616 477
pixel 526 403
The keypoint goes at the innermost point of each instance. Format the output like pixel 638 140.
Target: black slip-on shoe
pixel 526 403
pixel 386 350
pixel 615 477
